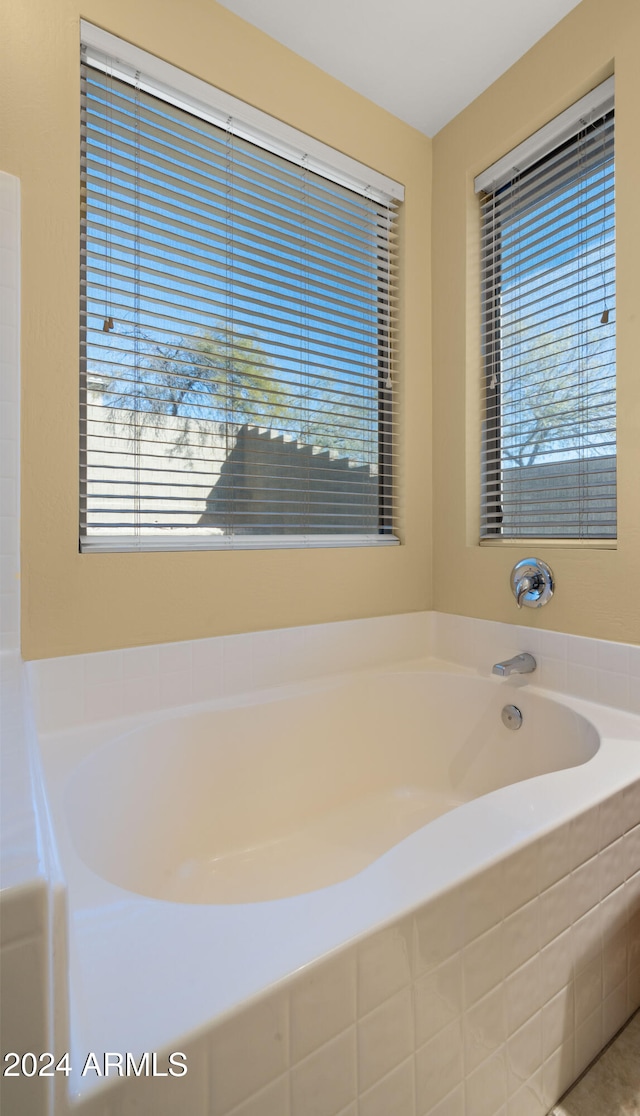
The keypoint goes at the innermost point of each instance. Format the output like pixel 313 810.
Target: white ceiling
pixel 423 60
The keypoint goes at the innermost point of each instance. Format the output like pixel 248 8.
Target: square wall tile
pixel 557 1020
pixel 486 1087
pixel 558 1073
pixel 322 1003
pixel 611 818
pixel 524 1053
pixel 588 1041
pixel 584 836
pixel 614 1012
pixel 554 856
pixel 586 939
pixel 175 688
pixel 484 901
pixel 237 664
pixel 521 935
pixel 485 1028
pixel 438 999
pixel 529 1100
pixel 581 651
pixel 301 653
pixel 439 1067
pixel 631 801
pixel 385 1038
pixel 273 1100
pixel 206 663
pixel 632 895
pixel 612 688
pixel 631 847
pixel 524 993
pixel 452 1105
pixel 267 669
pixel 588 990
pixel 383 965
pixel 633 990
pixel 614 961
pixel 556 909
pixel 438 930
pixel 104 700
pixel 325 1082
pixel 614 913
pixel 164 1096
pixel 556 965
pixel 585 887
pixel 612 656
pixel 581 680
pixel 554 644
pixel 484 964
pixel 552 672
pixel 520 877
pixel 141 662
pixel 393 1094
pixel 248 1051
pixel 140 695
pixel 613 864
pixel 175 657
pixel 103 667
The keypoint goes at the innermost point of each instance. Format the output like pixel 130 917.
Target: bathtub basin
pixel 283 795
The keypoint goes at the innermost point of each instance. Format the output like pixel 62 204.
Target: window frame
pixel 595 109
pixel 156 77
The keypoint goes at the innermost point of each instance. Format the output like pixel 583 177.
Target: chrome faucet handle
pixel 523 586
pixel 532 583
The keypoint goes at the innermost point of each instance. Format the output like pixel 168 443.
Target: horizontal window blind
pixel 238 336
pixel 548 279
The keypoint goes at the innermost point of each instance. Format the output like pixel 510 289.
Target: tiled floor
pixel 611 1087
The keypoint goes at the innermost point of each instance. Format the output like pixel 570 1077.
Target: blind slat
pixel 246 299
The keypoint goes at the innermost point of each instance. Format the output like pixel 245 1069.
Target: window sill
pixel 556 544
pixel 126 544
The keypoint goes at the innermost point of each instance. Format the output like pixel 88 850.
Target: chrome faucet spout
pixel 519 664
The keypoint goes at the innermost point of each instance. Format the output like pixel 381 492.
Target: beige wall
pixel 73 602
pixel 598 590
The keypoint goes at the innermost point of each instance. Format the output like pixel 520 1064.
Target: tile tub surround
pixel 521 924
pixel 79 689
pixel 92 690
pixel 76 689
pixel 593 669
pixel 488 1000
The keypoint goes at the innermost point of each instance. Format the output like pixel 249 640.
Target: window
pixel 237 321
pixel 548 292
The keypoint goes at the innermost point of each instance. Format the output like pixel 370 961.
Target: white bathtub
pixel 212 852
pixel 285 795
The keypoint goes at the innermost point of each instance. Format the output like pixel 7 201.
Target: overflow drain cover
pixel 512 717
